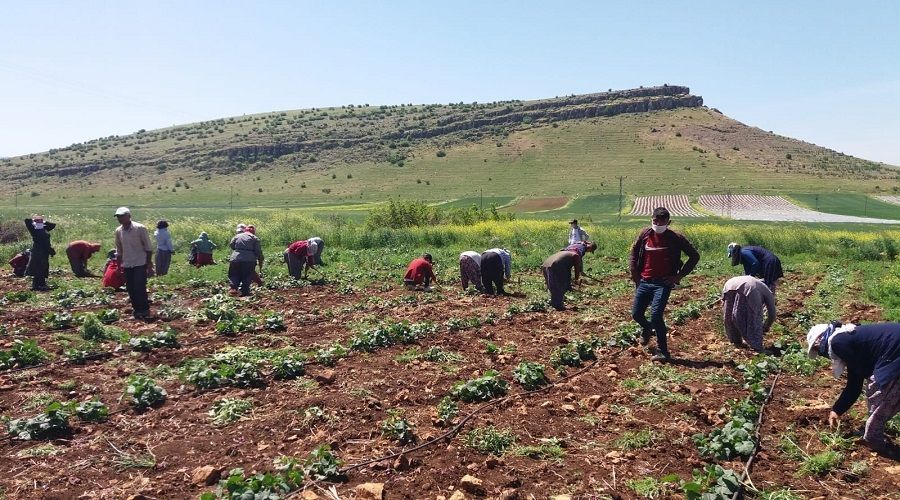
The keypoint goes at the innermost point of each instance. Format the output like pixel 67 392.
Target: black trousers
pixel 136 284
pixel 240 274
pixel 492 272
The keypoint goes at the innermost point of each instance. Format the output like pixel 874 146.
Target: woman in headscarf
pixel 204 249
pixel 870 354
pixel 743 301
pixel 470 269
pixel 757 262
pixel 164 247
pixel 41 250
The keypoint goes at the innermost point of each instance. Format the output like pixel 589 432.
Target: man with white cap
pixel 134 254
pixel 870 354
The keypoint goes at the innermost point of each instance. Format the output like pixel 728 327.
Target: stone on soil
pixel 205 476
pixel 370 491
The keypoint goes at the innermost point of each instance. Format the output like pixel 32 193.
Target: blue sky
pixel 825 72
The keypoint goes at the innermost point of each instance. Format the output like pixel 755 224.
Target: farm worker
pixel 78 253
pixel 204 249
pixel 496 267
pixel 576 233
pixel 113 275
pixel 743 299
pixel 757 262
pixel 41 250
pixel 256 279
pixel 135 254
pixel 19 262
pixel 240 228
pixel 420 272
pixel 557 271
pixel 656 268
pixel 320 247
pixel 581 247
pixel 470 269
pixel 871 355
pixel 300 256
pixel 246 253
pixel 250 229
pixel 164 248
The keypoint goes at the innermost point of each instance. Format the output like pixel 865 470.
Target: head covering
pixel 574 221
pixel 824 334
pixel 240 228
pixel 251 229
pixel 311 248
pixel 427 256
pixel 162 224
pixel 111 254
pixel 122 211
pixel 734 252
pixel 203 235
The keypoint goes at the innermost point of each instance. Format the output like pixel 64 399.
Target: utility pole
pixel 620 199
pixel 231 198
pixel 728 202
pixel 817 203
pixel 866 209
pixel 481 190
pixel 17 198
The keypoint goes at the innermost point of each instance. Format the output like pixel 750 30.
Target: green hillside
pixel 349 157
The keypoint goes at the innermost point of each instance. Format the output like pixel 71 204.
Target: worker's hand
pixel 671 281
pixel 834 419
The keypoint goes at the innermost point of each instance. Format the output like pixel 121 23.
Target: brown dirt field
pixel 538 204
pixel 588 412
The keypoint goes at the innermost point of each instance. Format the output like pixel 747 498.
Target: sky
pixel 825 72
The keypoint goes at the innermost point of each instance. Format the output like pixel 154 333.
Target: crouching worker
pixel 871 356
pixel 757 262
pixel 300 256
pixel 743 299
pixel 113 275
pixel 420 272
pixel 496 267
pixel 19 262
pixel 203 248
pixel 470 270
pixel 557 271
pixel 78 253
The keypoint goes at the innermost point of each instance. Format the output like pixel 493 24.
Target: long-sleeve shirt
pixel 761 263
pixel 506 258
pixel 40 246
pixel 418 269
pixel 577 234
pixel 133 245
pixel 672 244
pixel 869 350
pixel 82 250
pixel 756 292
pixel 203 245
pixel 300 248
pixel 246 248
pixel 164 241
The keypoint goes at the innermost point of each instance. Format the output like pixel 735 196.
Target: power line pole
pixel 481 190
pixel 817 203
pixel 231 198
pixel 620 199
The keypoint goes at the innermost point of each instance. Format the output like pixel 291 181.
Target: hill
pixel 660 139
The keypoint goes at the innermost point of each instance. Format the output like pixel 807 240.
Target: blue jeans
pixel 655 294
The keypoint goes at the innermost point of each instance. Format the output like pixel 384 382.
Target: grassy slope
pixel 690 151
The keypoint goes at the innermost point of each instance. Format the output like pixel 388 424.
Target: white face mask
pixel 659 229
pixel 39 225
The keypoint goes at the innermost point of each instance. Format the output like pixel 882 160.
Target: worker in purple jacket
pixel 870 354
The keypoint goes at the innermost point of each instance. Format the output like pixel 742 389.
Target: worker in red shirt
pixel 78 253
pixel 19 262
pixel 420 272
pixel 300 256
pixel 656 269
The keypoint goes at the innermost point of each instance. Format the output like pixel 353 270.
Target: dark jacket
pixel 869 350
pixel 41 250
pixel 761 263
pixel 677 244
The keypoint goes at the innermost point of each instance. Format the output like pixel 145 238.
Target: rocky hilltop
pixel 346 134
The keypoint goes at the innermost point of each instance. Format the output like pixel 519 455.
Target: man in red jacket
pixel 78 253
pixel 420 272
pixel 656 268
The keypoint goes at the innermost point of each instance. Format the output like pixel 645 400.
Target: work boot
pixel 662 356
pixel 645 336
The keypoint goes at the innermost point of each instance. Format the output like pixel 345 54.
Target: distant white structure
pixel 773 208
pixel 678 204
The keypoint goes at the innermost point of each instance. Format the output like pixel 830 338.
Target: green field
pixel 848 204
pixel 481 202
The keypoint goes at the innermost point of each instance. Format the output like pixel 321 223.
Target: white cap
pixel 311 248
pixel 814 333
pixel 122 211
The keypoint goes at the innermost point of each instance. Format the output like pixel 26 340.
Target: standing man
pixel 78 253
pixel 135 255
pixel 577 234
pixel 496 267
pixel 164 248
pixel 246 252
pixel 41 250
pixel 743 299
pixel 656 268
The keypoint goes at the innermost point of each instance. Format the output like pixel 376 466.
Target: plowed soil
pixel 587 412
